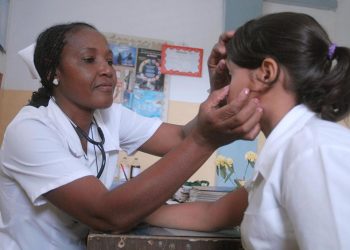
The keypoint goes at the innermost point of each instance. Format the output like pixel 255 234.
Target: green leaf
pixel 223 172
pixel 229 175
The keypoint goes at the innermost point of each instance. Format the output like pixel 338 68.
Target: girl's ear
pixel 268 71
pixel 266 74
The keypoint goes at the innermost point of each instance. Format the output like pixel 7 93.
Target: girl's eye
pixel 110 62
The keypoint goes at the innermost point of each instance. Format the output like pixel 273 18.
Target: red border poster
pixel 181 60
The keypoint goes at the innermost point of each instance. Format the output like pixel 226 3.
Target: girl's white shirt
pixel 41 151
pixel 299 195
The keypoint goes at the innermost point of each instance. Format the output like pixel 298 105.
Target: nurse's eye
pixel 89 59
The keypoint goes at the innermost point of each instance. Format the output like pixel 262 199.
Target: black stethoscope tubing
pixel 99 144
pixel 81 134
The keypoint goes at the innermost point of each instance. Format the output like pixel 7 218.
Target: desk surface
pixel 148 237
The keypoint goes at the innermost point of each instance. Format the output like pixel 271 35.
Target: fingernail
pixel 246 91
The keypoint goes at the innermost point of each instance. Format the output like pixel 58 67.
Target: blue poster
pixel 147 102
pixel 123 55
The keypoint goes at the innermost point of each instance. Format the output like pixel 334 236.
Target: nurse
pixel 59 153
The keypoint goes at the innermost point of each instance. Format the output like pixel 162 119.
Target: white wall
pixel 195 23
pixel 335 22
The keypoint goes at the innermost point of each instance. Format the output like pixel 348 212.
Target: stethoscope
pixel 98 144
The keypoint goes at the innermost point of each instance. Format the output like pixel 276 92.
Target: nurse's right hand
pixel 219 125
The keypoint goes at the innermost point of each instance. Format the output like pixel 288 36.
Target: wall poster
pixel 141 86
pixel 181 60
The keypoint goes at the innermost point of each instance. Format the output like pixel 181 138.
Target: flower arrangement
pixel 224 167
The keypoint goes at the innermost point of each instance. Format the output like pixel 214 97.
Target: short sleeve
pixel 39 159
pixel 134 129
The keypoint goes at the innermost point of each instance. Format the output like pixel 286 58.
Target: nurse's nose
pixel 106 69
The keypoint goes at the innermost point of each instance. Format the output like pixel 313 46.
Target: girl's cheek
pixel 231 93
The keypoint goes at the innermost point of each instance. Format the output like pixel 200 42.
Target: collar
pixel 290 124
pixel 110 143
pixel 63 124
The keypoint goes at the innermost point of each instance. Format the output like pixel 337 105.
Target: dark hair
pixel 48 49
pixel 299 44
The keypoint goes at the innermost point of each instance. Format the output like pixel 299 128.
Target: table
pixel 148 237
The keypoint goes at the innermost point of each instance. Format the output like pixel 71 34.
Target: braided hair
pixel 319 71
pixel 48 49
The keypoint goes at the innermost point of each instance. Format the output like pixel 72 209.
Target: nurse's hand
pixel 218 125
pixel 218 72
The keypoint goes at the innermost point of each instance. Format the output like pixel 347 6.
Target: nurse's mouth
pixel 107 87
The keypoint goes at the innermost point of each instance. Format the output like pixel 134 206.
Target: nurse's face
pixel 240 78
pixel 86 76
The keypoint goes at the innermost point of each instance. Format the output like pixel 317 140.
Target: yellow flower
pixel 251 157
pixel 224 167
pixel 220 159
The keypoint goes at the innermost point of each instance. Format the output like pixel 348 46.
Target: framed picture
pixel 181 60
